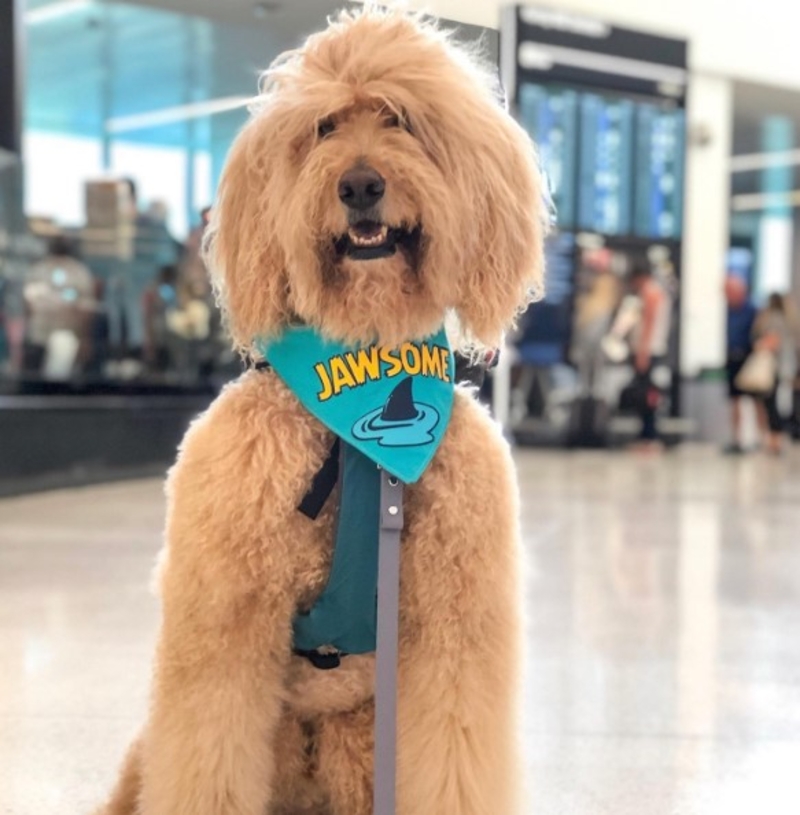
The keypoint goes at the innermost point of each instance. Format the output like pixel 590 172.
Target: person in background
pixel 158 300
pixel 197 285
pixel 741 318
pixel 775 330
pixel 153 249
pixel 192 259
pixel 60 303
pixel 650 345
pixel 190 324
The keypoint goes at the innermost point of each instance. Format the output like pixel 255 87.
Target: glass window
pixel 129 113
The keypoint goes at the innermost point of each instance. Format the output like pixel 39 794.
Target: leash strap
pixel 391 526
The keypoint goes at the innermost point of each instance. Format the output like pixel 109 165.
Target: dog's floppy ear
pixel 504 269
pixel 246 263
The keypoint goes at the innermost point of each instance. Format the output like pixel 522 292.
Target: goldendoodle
pixel 379 189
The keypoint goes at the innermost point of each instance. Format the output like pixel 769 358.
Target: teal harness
pixel 389 409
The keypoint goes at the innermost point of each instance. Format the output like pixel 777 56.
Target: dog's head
pixel 378 187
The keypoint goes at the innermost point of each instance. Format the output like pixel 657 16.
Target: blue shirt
pixel 740 329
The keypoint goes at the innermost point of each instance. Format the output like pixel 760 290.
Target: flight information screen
pixel 659 170
pixel 614 164
pixel 605 195
pixel 546 327
pixel 550 115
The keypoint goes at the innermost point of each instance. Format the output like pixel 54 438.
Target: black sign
pixel 541 44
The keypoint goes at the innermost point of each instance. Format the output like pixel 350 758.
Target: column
pixel 707 217
pixel 11 33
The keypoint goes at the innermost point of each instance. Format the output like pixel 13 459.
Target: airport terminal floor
pixel 664 605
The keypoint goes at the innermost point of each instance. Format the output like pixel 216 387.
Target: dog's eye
pixel 392 119
pixel 325 127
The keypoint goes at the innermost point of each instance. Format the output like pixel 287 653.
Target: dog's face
pixel 379 187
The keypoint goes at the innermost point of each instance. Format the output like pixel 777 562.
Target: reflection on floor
pixel 664 649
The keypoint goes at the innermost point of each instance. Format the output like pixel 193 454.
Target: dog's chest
pixel 316 543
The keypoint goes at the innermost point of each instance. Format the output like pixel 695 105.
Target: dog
pixel 378 189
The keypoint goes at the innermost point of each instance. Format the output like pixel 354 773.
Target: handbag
pixel 758 373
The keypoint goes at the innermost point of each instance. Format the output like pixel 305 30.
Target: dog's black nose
pixel 361 188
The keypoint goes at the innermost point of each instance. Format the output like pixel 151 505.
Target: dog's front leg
pixel 461 652
pixel 228 586
pixel 209 746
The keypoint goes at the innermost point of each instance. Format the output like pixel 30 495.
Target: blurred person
pixel 741 318
pixel 160 298
pixel 215 350
pixel 190 323
pixel 98 350
pixel 153 248
pixel 597 296
pixel 650 345
pixel 192 260
pixel 13 310
pixel 775 330
pixel 596 301
pixel 60 302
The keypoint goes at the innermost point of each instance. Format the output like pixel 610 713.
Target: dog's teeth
pixel 375 240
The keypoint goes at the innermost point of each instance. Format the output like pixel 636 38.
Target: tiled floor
pixel 664 636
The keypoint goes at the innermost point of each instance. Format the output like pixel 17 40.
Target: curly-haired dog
pixel 378 188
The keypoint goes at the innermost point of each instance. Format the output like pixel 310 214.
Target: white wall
pixel 743 39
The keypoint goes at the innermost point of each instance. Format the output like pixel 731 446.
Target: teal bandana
pixel 392 404
pixel 389 407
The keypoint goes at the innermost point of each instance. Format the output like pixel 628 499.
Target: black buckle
pixel 323 661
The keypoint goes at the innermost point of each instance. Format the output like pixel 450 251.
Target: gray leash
pixel 391 525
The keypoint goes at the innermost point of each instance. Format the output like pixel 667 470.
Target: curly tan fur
pixel 238 725
pixel 463 169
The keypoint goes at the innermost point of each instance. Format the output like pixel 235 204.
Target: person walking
pixel 650 346
pixel 775 330
pixel 741 318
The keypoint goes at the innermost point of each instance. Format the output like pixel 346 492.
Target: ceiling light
pixel 751 202
pixel 54 11
pixel 747 162
pixel 179 113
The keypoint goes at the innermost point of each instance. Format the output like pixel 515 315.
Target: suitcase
pixel 588 423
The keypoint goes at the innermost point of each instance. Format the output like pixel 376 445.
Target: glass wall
pixel 765 185
pixel 129 111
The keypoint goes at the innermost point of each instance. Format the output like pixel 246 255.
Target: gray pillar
pixel 11 40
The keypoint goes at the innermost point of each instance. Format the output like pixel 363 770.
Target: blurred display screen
pixel 547 325
pixel 550 116
pixel 659 171
pixel 606 150
pixel 614 164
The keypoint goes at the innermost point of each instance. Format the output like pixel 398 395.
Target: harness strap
pixel 322 484
pixel 391 527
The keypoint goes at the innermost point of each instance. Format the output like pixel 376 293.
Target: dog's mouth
pixel 370 240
